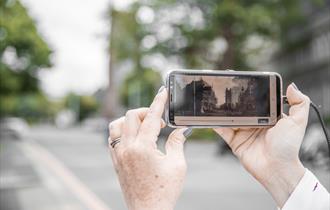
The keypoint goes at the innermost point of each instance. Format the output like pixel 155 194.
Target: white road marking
pixel 72 182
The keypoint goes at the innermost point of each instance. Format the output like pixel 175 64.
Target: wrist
pixel 282 180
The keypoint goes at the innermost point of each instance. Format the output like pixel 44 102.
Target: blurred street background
pixel 69 67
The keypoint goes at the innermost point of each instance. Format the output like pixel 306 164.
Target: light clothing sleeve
pixel 309 194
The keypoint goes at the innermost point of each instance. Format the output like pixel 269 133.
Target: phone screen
pixel 219 97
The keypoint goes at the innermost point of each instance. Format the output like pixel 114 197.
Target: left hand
pixel 149 178
pixel 271 154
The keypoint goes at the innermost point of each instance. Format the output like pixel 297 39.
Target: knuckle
pixel 113 132
pixel 152 118
pixel 111 124
pixel 130 112
pixel 307 99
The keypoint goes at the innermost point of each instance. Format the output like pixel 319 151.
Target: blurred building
pixel 228 97
pixel 209 100
pixel 239 100
pixel 307 63
pixel 201 98
pixel 247 101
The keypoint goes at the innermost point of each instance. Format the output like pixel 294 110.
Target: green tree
pixel 23 52
pixel 232 22
pixel 191 31
pixel 139 89
pixel 139 86
pixel 83 105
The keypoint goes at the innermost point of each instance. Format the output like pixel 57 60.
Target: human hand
pixel 149 179
pixel 271 154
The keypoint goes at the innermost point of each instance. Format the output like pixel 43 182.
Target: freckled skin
pixel 271 155
pixel 146 181
pixel 150 179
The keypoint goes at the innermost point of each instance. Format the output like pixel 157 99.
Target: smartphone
pixel 212 98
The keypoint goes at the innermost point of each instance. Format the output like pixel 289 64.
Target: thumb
pixel 299 105
pixel 174 144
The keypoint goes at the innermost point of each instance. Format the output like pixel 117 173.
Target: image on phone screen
pixel 221 96
pixel 233 99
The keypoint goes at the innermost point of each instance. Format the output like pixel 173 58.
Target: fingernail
pixel 187 132
pixel 294 85
pixel 161 89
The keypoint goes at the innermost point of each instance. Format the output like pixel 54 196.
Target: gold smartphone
pixel 212 98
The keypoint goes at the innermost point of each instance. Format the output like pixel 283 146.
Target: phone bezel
pixel 279 102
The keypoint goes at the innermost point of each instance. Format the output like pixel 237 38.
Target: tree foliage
pixel 144 83
pixel 83 105
pixel 232 22
pixel 200 34
pixel 125 47
pixel 23 52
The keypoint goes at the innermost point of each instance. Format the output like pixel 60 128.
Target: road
pixel 71 169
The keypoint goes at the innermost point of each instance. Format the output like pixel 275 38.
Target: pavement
pixel 66 169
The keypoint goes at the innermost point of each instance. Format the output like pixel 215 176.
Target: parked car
pixel 13 127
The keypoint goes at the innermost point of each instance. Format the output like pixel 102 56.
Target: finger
pixel 175 142
pixel 112 153
pixel 133 119
pixel 299 103
pixel 226 133
pixel 151 124
pixel 115 128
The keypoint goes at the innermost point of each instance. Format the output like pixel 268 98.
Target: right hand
pixel 149 178
pixel 271 154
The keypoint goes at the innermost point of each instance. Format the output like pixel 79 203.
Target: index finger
pixel 150 127
pixel 133 119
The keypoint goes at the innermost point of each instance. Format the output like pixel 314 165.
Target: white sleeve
pixel 309 194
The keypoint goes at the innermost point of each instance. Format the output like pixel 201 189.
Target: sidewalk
pixel 25 184
pixel 71 169
pixel 212 182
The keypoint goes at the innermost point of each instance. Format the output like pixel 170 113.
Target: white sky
pixel 77 31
